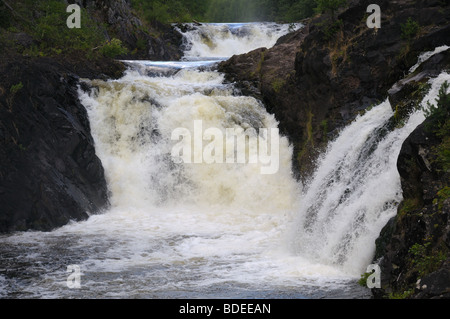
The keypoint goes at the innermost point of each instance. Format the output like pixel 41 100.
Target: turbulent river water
pixel 213 230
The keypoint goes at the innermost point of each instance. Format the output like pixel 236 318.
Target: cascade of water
pixel 356 189
pixel 223 40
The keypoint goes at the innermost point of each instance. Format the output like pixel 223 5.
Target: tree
pixel 330 6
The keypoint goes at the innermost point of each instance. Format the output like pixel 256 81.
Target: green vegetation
pixel 167 11
pixel 439 115
pixel 401 295
pixel 409 205
pixel 441 111
pixel 45 23
pixel 113 48
pixel 442 195
pixel 278 84
pixel 424 260
pixel 16 88
pixel 363 280
pixel 330 6
pixel 331 29
pixel 410 29
pixel 404 109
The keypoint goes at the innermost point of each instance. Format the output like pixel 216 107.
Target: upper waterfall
pixel 216 41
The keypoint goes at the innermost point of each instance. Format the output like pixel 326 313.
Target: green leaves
pixel 410 29
pixel 166 11
pixel 113 49
pixel 330 6
pixel 424 260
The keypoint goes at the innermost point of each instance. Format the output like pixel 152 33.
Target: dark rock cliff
pixel 49 173
pixel 413 248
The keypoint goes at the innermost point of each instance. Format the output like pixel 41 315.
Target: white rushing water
pixel 180 230
pixel 223 40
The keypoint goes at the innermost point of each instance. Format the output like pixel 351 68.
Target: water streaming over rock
pixel 221 230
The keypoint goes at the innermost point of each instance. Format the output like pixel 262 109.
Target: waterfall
pixel 356 189
pixel 215 229
pixel 223 40
pixel 132 122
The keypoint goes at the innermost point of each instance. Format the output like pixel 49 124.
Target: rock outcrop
pixel 413 248
pixel 50 173
pixel 123 24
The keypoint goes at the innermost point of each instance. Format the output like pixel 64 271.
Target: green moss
pixel 410 29
pixel 409 205
pixel 278 84
pixel 404 109
pixel 259 65
pixel 443 195
pixel 401 295
pixel 113 49
pixel 424 260
pixel 16 88
pixel 330 30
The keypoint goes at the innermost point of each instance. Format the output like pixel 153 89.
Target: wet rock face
pixel 413 249
pixel 50 173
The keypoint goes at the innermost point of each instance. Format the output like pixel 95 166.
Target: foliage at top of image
pixel 171 11
pixel 330 6
pixel 45 22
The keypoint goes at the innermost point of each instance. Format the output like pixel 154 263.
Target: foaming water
pixel 223 40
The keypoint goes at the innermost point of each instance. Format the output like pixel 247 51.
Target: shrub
pixel 409 29
pixel 113 48
pixel 424 261
pixel 16 88
pixel 440 111
pixel 439 115
pixel 330 6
